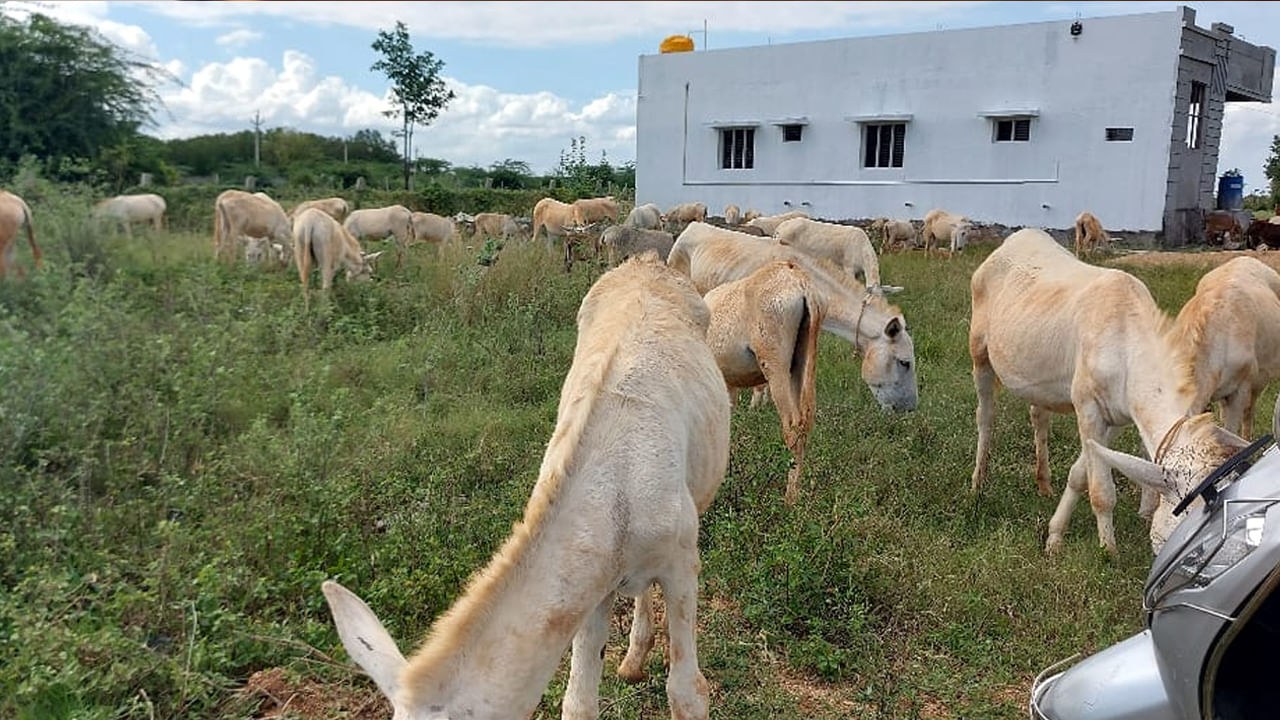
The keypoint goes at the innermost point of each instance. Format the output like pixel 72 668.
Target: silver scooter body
pixel 1217 568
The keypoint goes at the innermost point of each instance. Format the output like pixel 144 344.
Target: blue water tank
pixel 1231 192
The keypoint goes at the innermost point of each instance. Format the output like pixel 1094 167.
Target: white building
pixel 1019 125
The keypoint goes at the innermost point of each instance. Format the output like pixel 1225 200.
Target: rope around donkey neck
pixel 857 327
pixel 1167 440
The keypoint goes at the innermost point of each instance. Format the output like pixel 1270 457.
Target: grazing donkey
pixel 639 450
pixel 1070 337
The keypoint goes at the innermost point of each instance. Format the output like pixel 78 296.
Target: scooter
pixel 1213 614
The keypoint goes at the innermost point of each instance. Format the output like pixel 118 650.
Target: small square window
pixel 1120 134
pixel 791 133
pixel 1012 130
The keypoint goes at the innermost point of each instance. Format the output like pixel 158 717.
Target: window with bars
pixel 737 148
pixel 1195 115
pixel 1012 130
pixel 883 145
pixel 792 133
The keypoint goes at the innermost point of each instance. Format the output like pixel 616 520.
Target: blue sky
pixel 530 76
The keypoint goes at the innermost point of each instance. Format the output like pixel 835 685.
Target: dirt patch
pixel 280 696
pixel 1208 260
pixel 1014 696
pixel 814 696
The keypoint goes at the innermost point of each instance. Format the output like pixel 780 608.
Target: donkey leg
pixel 1040 425
pixel 1237 412
pixel 1077 484
pixel 984 380
pixel 797 444
pixel 687 690
pixel 759 395
pixel 582 696
pixel 1102 488
pixel 631 669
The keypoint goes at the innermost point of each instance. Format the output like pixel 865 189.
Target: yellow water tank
pixel 676 43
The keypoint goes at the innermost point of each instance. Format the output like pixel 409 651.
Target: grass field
pixel 186 453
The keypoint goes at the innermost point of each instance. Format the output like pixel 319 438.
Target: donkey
pixel 1070 337
pixel 639 450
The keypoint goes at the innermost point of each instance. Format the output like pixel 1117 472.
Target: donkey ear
pixel 1143 472
pixel 366 641
pixel 893 328
pixel 885 289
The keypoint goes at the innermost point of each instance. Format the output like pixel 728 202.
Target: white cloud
pixel 238 38
pixel 480 126
pixel 94 15
pixel 1247 129
pixel 130 37
pixel 556 23
pixel 176 68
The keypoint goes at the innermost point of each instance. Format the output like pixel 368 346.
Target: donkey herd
pixel 667 337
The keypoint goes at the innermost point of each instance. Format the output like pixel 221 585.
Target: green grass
pixel 186 452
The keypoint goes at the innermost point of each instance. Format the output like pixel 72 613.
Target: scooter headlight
pixel 1220 549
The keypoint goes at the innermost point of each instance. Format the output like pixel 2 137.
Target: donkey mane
pixel 1188 335
pixel 598 347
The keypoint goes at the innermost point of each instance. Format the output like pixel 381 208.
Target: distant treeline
pixel 73 107
pixel 289 157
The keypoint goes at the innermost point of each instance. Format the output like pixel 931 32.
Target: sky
pixel 528 76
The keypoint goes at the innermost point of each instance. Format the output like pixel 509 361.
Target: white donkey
pixel 1230 330
pixel 1070 337
pixel 639 450
pixel 713 257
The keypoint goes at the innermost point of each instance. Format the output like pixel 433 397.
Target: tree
pixel 284 147
pixel 207 154
pixel 431 167
pixel 510 174
pixel 471 176
pixel 368 144
pixel 416 88
pixel 1272 169
pixel 577 175
pixel 65 91
pixel 625 175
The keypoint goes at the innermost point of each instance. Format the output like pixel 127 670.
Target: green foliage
pixel 432 168
pixel 587 180
pixel 417 90
pixel 1272 167
pixel 187 451
pixel 207 154
pixel 511 174
pixel 1259 202
pixel 136 154
pixel 68 93
pixel 308 159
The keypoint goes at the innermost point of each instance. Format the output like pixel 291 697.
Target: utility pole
pixel 257 139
